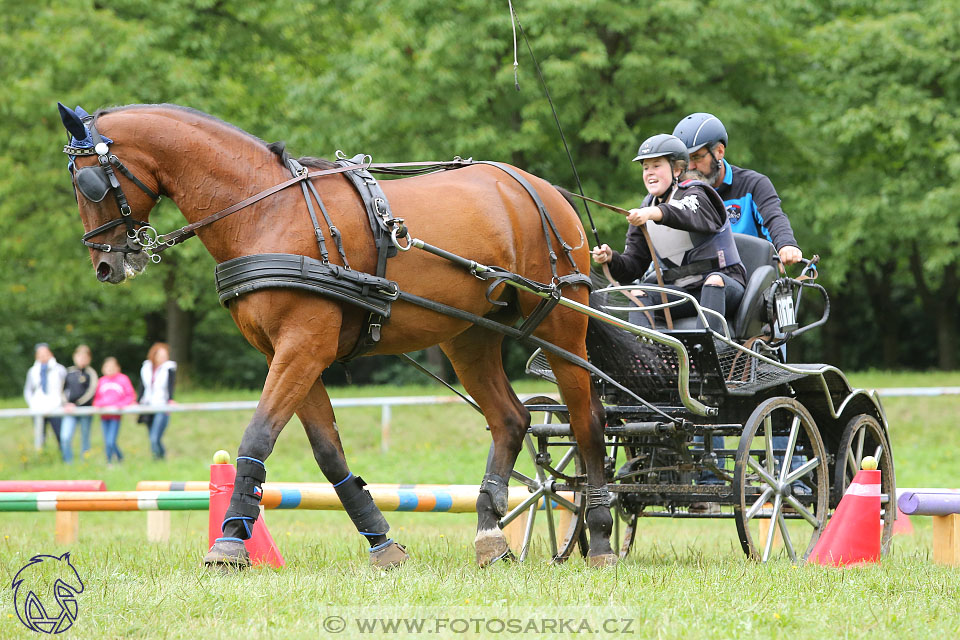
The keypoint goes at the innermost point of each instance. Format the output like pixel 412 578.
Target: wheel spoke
pixel 768 434
pixel 802 470
pixel 525 480
pixel 528 532
pixel 533 498
pixel 878 453
pixel 567 457
pixel 852 465
pixel 548 505
pixel 802 510
pixel 791 445
pixel 563 502
pixel 756 506
pixel 787 542
pixel 771 532
pixel 532 450
pixel 860 437
pixel 768 478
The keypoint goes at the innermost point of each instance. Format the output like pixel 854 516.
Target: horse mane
pixel 276 148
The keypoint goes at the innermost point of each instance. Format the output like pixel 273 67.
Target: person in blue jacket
pixel 753 208
pixel 752 203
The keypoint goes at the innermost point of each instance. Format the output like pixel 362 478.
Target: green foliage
pixel 847 106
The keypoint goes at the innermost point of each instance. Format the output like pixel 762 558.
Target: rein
pixel 183 233
pixel 141 236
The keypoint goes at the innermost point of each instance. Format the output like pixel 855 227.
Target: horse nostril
pixel 103 272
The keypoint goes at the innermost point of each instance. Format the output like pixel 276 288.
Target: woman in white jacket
pixel 158 378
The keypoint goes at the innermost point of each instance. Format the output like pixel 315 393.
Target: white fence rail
pixel 385 404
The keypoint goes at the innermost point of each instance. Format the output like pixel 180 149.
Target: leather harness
pixel 372 292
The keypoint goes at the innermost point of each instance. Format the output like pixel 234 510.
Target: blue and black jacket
pixel 753 206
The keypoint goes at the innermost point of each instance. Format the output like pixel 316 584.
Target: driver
pixel 690 233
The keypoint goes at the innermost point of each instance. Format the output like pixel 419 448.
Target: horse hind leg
pixel 587 423
pixel 319 422
pixel 476 358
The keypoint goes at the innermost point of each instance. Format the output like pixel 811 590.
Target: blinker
pixel 92 183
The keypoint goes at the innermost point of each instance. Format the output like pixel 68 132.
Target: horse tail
pixel 568 197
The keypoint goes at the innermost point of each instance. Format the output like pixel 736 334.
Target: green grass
pixel 684 579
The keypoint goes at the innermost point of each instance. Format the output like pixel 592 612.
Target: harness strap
pixel 545 220
pixel 700 267
pixel 378 213
pixel 188 231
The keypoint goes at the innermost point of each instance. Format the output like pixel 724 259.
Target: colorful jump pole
pixel 441 498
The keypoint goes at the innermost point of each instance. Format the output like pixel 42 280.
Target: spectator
pixel 114 391
pixel 158 377
pixel 78 391
pixel 43 391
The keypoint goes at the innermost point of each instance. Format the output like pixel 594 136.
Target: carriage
pixel 726 429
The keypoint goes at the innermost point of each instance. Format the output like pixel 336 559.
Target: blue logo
pixel 45 593
pixel 734 213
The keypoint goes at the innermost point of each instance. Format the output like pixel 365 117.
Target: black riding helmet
pixel 663 144
pixel 699 129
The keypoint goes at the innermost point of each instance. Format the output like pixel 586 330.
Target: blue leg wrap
pixel 245 504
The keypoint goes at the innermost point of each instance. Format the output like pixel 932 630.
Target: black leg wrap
pixel 496 487
pixel 245 504
pixel 597 513
pixel 359 505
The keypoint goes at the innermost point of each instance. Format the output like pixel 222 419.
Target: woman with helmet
pixel 689 230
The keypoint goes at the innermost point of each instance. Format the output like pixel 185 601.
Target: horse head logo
pixel 45 593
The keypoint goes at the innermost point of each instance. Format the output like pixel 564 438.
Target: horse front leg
pixel 319 422
pixel 293 371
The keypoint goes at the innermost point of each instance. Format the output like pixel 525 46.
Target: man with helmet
pixel 689 231
pixel 752 203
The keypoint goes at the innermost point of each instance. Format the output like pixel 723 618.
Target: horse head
pixel 117 231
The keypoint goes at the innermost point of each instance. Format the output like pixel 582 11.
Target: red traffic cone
pixel 853 534
pixel 902 525
pixel 262 548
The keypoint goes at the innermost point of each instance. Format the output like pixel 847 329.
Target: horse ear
pixel 72 122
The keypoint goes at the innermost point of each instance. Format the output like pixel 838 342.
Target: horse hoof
pixel 491 546
pixel 603 560
pixel 227 556
pixel 391 556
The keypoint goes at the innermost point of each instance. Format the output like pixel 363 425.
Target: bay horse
pixel 204 165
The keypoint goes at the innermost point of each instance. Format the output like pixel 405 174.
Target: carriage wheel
pixel 785 494
pixel 863 436
pixel 560 514
pixel 624 529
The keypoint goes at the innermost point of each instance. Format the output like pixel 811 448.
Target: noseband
pixel 94 182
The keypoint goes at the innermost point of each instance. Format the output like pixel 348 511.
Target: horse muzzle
pixel 115 267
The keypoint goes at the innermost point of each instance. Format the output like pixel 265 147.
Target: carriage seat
pixel 757 256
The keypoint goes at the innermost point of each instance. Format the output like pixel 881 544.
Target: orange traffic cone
pixel 853 534
pixel 262 548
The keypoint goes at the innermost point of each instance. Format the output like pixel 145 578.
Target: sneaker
pixel 707 508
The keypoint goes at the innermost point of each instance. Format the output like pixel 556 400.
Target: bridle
pixel 95 181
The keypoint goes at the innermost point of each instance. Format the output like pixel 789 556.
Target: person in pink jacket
pixel 113 390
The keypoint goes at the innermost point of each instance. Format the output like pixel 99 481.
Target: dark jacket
pixel 80 386
pixel 707 218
